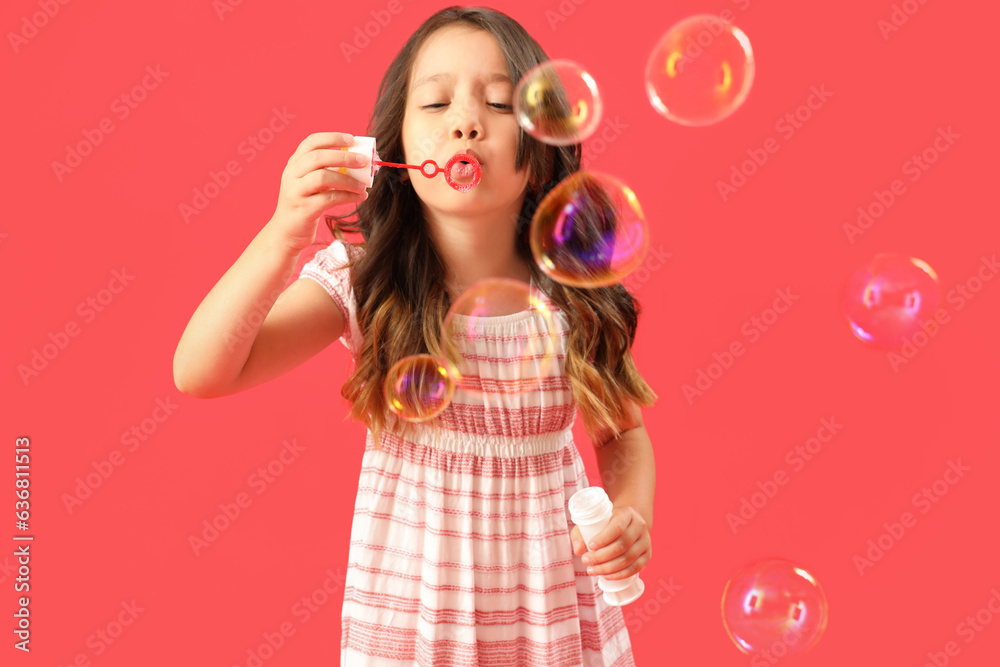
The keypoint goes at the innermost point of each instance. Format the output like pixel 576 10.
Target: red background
pixel 63 239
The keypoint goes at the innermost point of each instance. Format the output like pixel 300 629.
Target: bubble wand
pixel 430 169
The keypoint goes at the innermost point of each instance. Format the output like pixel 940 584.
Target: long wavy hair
pixel 398 281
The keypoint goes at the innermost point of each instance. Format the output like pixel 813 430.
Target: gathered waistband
pixel 476 444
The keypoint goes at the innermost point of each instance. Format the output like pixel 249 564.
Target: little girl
pixel 461 548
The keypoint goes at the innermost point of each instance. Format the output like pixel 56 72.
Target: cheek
pixel 413 130
pixel 419 140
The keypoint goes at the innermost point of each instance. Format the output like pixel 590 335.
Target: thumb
pixel 577 538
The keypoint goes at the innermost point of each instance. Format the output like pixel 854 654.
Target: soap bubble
pixel 500 336
pixel 887 300
pixel 418 388
pixel 589 231
pixel 700 71
pixel 774 606
pixel 558 103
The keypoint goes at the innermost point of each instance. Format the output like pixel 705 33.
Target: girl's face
pixel 460 99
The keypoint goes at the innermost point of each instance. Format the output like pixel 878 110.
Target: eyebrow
pixel 492 77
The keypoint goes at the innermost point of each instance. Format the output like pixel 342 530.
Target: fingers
pixel 626 558
pixel 338 158
pixel 328 189
pixel 336 197
pixel 627 552
pixel 619 522
pixel 327 181
pixel 612 551
pixel 626 565
pixel 325 149
pixel 324 140
pixel 623 546
pixel 329 159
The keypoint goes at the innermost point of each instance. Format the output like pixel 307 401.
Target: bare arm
pixel 628 471
pixel 229 345
pixel 627 465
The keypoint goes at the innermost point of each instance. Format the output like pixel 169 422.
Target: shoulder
pixel 330 267
pixel 334 258
pixel 339 252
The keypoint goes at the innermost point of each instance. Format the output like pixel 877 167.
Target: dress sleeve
pixel 329 268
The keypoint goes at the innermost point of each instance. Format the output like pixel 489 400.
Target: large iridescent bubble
pixel 890 298
pixel 589 231
pixel 558 103
pixel 775 606
pixel 500 336
pixel 700 71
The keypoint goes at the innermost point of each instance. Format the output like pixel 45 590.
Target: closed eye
pixel 505 107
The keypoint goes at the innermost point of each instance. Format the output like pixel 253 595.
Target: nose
pixel 466 123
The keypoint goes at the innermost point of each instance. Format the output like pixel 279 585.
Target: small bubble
pixel 886 300
pixel 772 603
pixel 558 103
pixel 418 388
pixel 700 71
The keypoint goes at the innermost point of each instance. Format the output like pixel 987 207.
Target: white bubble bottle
pixel 362 146
pixel 590 509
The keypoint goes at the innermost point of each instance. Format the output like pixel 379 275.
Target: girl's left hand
pixel 623 546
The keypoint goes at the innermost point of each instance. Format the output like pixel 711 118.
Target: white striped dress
pixel 460 551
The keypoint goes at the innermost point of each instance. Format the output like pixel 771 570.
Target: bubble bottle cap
pixel 588 505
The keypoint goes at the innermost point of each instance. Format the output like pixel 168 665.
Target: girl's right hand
pixel 309 187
